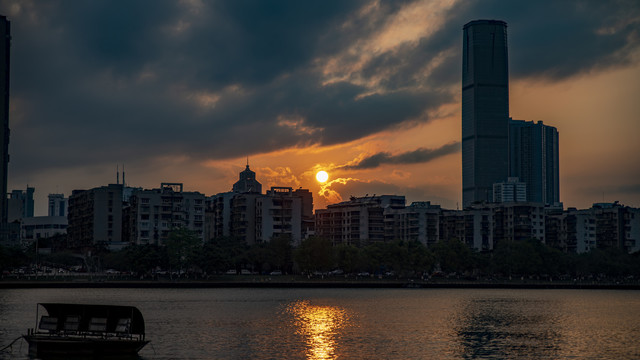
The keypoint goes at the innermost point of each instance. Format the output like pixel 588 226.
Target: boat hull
pixel 40 346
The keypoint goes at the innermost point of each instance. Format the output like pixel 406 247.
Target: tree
pixel 347 257
pixel 314 254
pixel 453 256
pixel 183 247
pixel 222 254
pixel 282 252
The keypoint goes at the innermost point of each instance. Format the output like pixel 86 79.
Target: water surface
pixel 359 323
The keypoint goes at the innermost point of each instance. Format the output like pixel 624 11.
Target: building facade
pixel 42 227
pixel 513 190
pixel 359 221
pixel 534 159
pixel 5 60
pixel 58 205
pixel 95 217
pixel 20 204
pixel 152 214
pixel 485 109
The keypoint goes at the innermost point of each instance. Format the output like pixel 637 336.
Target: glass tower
pixel 533 157
pixel 5 45
pixel 485 109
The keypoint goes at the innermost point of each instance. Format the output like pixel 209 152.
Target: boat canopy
pixel 86 312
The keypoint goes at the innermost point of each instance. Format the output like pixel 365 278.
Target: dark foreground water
pixel 359 323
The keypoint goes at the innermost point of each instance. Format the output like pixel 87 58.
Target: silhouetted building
pixel 153 214
pixel 247 183
pixel 252 217
pixel 419 222
pixel 20 204
pixel 5 47
pixel 58 205
pixel 279 214
pixel 43 227
pixel 485 109
pixel 534 159
pixel 512 190
pixel 603 226
pixel 95 217
pixel 359 221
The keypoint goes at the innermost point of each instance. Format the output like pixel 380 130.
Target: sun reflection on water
pixel 319 325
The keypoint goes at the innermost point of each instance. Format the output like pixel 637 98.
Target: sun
pixel 322 176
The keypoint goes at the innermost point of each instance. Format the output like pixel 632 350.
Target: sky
pixel 369 91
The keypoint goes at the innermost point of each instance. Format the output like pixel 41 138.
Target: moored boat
pixel 87 330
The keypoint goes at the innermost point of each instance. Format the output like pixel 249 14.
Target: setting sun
pixel 322 176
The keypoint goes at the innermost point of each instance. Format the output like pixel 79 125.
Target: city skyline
pixel 368 91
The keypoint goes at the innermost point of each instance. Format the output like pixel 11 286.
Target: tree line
pixel 184 253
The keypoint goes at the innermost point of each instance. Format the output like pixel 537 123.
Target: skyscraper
pixel 485 109
pixel 5 45
pixel 533 157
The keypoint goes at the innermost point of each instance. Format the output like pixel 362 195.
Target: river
pixel 285 323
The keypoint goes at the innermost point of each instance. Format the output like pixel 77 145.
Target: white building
pixel 513 190
pixel 279 213
pixel 42 227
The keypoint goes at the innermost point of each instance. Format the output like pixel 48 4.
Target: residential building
pixel 512 190
pixel 419 221
pixel 359 221
pixel 95 218
pixel 153 214
pixel 279 213
pixel 485 109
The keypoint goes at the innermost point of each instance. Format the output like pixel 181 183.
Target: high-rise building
pixel 485 109
pixel 533 157
pixel 58 205
pixel 5 46
pixel 20 204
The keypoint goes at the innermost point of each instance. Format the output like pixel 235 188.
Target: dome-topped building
pixel 247 182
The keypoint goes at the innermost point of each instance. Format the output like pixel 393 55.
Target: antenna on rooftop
pixel 123 183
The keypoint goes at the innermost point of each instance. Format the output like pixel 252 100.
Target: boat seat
pixel 71 324
pixel 48 323
pixel 98 325
pixel 123 327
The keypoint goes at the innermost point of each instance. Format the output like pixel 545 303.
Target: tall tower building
pixel 485 109
pixel 5 45
pixel 533 157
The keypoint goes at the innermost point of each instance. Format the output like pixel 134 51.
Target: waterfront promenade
pixel 301 281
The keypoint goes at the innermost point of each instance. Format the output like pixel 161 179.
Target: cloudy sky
pixel 185 91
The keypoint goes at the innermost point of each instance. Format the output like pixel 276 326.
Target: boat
pixel 86 330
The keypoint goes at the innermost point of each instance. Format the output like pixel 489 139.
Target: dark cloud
pixel 410 157
pixel 103 81
pixel 559 39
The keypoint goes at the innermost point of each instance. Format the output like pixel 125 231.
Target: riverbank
pixel 304 282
